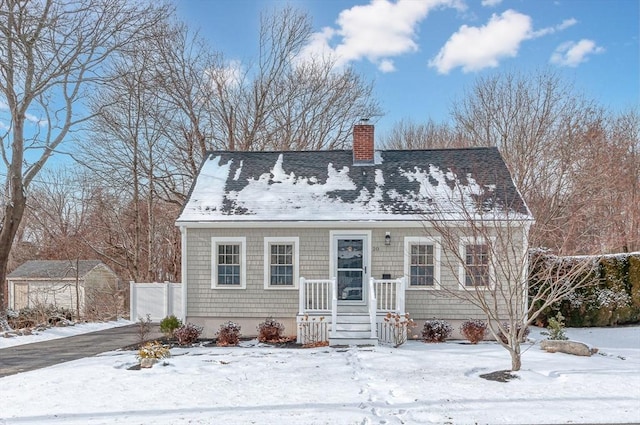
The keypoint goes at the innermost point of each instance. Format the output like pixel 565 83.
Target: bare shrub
pixel 229 334
pixel 187 334
pixel 398 325
pixel 474 330
pixel 270 330
pixel 313 332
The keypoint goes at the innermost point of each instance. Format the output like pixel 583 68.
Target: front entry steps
pixel 353 327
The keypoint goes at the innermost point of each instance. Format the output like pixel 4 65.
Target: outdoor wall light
pixel 387 238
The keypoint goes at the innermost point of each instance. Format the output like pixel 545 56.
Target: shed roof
pixel 53 269
pixel 326 185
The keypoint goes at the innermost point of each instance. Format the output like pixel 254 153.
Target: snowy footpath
pixel 417 383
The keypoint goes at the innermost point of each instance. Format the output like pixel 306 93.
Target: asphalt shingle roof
pixel 326 185
pixel 52 269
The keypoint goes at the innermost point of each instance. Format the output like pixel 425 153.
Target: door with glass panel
pixel 351 268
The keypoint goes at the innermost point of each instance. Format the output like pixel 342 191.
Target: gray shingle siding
pixel 257 302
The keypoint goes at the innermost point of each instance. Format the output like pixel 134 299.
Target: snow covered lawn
pixel 415 384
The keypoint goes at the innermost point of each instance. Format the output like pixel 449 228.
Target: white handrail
pixel 301 296
pixel 373 308
pixel 334 307
pixel 401 291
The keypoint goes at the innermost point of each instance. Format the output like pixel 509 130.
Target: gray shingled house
pixel 338 237
pixel 61 283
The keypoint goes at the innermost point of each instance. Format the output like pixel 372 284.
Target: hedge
pixel 612 297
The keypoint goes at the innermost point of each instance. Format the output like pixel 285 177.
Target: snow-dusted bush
pixel 229 334
pixel 555 329
pixel 473 330
pixel 270 330
pixel 436 330
pixel 40 315
pixel 612 297
pixel 187 334
pixel 153 350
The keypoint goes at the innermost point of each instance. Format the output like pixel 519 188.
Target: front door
pixel 351 261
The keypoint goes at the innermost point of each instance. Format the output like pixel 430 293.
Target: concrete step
pixel 344 309
pixel 360 327
pixel 353 333
pixel 352 318
pixel 352 341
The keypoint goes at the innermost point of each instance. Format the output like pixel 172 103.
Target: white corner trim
pixel 437 249
pixel 215 241
pixel 296 261
pixel 183 272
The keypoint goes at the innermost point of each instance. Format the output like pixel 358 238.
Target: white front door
pixel 350 254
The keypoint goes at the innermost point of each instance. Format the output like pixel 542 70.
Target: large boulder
pixel 568 347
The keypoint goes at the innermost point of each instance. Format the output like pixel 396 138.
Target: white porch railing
pixel 390 294
pixel 318 298
pixel 390 298
pixel 316 295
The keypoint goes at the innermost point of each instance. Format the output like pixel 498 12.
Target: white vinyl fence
pixel 158 300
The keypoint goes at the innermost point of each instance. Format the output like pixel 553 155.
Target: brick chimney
pixel 363 150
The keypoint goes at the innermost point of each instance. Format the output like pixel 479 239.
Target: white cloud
pixel 573 54
pixel 230 75
pixel 377 31
pixel 386 65
pixel 491 3
pixel 35 120
pixel 550 30
pixel 475 48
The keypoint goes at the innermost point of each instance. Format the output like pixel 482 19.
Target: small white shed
pixel 68 284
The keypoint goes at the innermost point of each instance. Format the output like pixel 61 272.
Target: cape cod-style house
pixel 337 237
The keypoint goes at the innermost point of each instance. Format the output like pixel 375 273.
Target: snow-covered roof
pixel 326 185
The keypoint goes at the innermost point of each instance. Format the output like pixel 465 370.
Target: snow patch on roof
pixel 208 192
pixel 442 190
pixel 236 176
pixel 281 195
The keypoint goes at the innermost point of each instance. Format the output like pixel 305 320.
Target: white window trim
pixel 423 240
pixel 470 240
pixel 267 262
pixel 215 241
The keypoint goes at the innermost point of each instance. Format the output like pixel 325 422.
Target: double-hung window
pixel 229 263
pixel 422 262
pixel 476 267
pixel 281 263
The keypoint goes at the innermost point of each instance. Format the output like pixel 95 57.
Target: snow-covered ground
pixel 61 332
pixel 415 384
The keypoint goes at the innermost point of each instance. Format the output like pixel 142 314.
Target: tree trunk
pixel 12 217
pixel 516 361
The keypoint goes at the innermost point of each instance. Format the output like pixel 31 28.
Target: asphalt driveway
pixel 23 358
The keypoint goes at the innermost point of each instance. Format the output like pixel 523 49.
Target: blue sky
pixel 422 54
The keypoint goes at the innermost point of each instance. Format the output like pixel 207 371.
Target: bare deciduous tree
pixel 485 246
pixel 52 52
pixel 286 102
pixel 576 165
pixel 410 135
